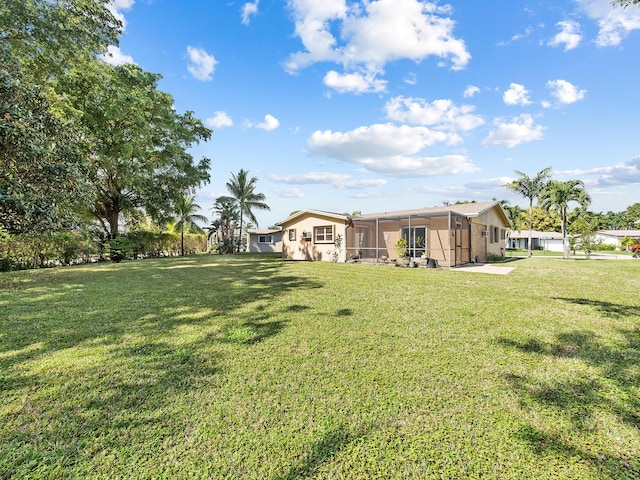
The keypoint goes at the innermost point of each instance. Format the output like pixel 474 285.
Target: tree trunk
pixel 565 240
pixel 112 217
pixel 182 241
pixel 529 254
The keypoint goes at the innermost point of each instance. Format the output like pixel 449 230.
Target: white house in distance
pixel 613 237
pixel 264 241
pixel 548 241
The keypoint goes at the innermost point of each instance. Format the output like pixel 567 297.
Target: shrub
pixel 120 248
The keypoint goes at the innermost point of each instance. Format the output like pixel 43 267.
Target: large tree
pixel 186 216
pixel 557 195
pixel 48 37
pixel 42 174
pixel 530 188
pixel 42 171
pixel 242 188
pixel 137 142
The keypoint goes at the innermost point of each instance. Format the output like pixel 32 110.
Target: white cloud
pixel 202 63
pixel 354 82
pixel 516 95
pixel 219 120
pixel 471 91
pixel 270 123
pixel 311 178
pixel 519 130
pixel 411 79
pixel 116 7
pixel 365 184
pixel 614 23
pixel 443 114
pixel 248 10
pixel 338 180
pixel 115 57
pixel 365 35
pixel 569 35
pixel 519 36
pixel 390 149
pixel 623 173
pixel 565 92
pixel 289 193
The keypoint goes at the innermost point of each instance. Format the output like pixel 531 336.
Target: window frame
pixel 292 234
pixel 261 237
pixel 325 229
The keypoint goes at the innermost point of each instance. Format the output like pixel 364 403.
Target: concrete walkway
pixel 484 268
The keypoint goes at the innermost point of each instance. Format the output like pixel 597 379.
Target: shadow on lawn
pixel 322 452
pixel 130 342
pixel 586 400
pixel 608 309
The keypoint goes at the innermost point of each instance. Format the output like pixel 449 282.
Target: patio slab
pixel 484 268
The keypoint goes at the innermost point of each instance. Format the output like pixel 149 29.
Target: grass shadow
pixel 323 451
pixel 581 396
pixel 609 309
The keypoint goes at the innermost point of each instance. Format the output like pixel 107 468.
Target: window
pixel 292 234
pixel 265 239
pixel 323 234
pixel 495 235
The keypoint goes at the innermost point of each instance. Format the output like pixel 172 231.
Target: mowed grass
pixel 253 367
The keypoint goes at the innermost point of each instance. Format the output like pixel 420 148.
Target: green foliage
pixel 530 188
pixel 242 188
pixel 120 248
pixel 46 38
pixel 632 216
pixel 185 210
pixel 26 251
pixel 402 247
pixel 558 195
pixel 139 142
pixel 337 249
pixel 42 173
pixel 223 228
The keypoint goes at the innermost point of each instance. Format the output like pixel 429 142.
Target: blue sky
pixel 347 105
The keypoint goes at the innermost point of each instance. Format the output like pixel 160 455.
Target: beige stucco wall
pixel 482 247
pixel 301 249
pixel 256 247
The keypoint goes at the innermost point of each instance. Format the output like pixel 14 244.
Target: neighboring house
pixel 613 237
pixel 264 241
pixel 549 241
pixel 312 234
pixel 451 235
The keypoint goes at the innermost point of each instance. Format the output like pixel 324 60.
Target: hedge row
pixel 20 252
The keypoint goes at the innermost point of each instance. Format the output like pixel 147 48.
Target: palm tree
pixel 224 226
pixel 242 188
pixel 556 196
pixel 185 210
pixel 530 188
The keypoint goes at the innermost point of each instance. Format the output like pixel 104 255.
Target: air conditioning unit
pixel 306 235
pixel 485 233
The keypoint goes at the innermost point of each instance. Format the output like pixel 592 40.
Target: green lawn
pixel 253 367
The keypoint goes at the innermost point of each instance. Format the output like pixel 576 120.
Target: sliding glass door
pixel 416 240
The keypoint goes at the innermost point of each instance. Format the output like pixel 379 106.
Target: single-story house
pixel 264 241
pixel 451 235
pixel 312 234
pixel 613 237
pixel 549 241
